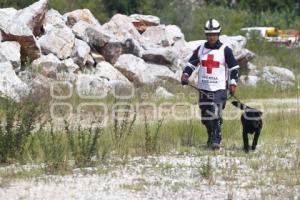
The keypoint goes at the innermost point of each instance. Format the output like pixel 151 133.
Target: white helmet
pixel 212 26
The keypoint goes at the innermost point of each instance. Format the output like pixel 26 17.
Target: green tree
pixel 95 6
pixel 16 4
pixel 127 6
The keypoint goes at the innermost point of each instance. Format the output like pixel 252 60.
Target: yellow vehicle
pixel 272 32
pixel 263 31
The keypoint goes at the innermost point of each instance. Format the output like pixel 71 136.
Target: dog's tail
pixel 239 105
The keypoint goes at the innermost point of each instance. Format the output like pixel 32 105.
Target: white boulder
pixel 10 51
pixel 53 19
pixel 60 41
pixel 278 75
pixel 80 15
pixel 122 27
pixel 106 70
pixel 142 22
pixel 33 16
pixel 13 29
pixel 163 35
pixel 139 72
pixel 249 80
pixel 8 11
pixel 10 84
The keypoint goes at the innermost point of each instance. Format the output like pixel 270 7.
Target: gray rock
pixel 162 56
pixel 96 37
pixel 115 48
pixel 81 52
pixel 278 75
pixel 47 65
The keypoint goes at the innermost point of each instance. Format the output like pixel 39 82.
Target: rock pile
pixel 75 47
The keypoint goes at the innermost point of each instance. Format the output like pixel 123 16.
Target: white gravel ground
pixel 172 176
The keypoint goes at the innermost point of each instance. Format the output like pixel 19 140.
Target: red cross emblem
pixel 210 63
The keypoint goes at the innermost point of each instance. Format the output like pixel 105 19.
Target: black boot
pixel 215 146
pixel 209 140
pixel 216 134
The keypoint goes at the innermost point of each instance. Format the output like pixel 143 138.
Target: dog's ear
pixel 236 104
pixel 239 105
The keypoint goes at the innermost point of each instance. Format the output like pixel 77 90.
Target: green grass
pixel 63 149
pixel 8 175
pixel 138 185
pixel 172 135
pixel 265 91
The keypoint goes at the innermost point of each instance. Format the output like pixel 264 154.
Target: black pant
pixel 212 105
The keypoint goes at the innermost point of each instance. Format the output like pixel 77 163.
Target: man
pixel 218 71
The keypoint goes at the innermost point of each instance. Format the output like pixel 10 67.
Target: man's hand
pixel 232 89
pixel 184 79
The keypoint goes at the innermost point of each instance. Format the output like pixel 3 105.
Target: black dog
pixel 252 123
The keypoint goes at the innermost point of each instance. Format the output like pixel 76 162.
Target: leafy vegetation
pixel 17 124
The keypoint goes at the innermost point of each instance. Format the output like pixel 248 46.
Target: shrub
pixel 17 124
pixel 83 144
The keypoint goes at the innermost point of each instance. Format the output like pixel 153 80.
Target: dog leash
pixel 199 90
pixel 235 97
